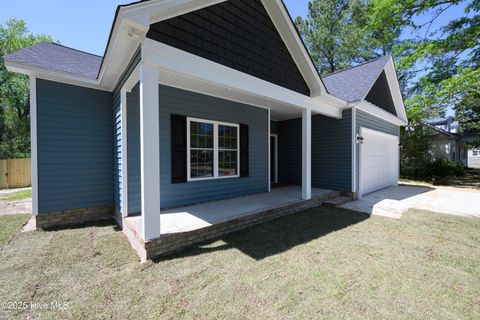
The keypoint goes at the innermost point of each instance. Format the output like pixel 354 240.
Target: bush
pixel 442 168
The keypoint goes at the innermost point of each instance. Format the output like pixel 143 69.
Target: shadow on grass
pixel 277 236
pixel 100 223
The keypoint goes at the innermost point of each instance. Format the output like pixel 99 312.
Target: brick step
pixel 337 201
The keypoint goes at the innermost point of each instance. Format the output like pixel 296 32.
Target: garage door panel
pixel 378 161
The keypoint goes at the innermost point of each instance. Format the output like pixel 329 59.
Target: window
pixel 212 149
pixel 475 152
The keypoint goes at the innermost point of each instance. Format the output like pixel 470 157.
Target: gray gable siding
pixel 381 96
pixel 117 132
pixel 368 121
pixel 331 152
pixel 74 138
pixel 238 34
pixel 190 104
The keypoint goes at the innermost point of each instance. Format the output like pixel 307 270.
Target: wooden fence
pixel 15 173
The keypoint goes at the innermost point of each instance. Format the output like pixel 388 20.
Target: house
pixel 196 114
pixel 448 143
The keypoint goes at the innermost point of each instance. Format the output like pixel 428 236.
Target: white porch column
pixel 306 154
pixel 150 151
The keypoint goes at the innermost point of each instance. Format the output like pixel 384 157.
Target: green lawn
pixel 9 226
pixel 20 195
pixel 321 263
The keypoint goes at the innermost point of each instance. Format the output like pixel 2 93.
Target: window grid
pixel 213 149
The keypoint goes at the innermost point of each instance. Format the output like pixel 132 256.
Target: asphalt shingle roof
pixel 354 83
pixel 60 58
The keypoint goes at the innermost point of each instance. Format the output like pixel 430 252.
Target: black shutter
pixel 178 133
pixel 244 168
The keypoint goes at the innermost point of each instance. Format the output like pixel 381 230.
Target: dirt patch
pixel 16 207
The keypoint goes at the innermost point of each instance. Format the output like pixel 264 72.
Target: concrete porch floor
pixel 190 218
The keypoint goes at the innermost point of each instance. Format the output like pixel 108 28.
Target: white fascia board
pixel 162 10
pixel 378 112
pixel 392 80
pixel 295 46
pixel 48 74
pixel 195 67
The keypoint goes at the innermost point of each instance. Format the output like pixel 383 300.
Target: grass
pixel 10 225
pixel 20 195
pixel 321 263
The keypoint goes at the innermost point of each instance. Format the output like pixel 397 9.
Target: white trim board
pixel 378 112
pixel 33 143
pixel 197 69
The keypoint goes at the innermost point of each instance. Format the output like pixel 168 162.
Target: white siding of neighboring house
pixel 474 157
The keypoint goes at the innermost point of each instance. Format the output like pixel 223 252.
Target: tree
pixel 14 92
pixel 332 34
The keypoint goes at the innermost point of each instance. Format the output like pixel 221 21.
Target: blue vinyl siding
pixel 371 122
pixel 274 127
pixel 190 104
pixel 117 131
pixel 74 138
pixel 331 152
pixel 290 151
pixel 133 132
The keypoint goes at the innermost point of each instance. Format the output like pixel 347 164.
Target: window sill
pixel 212 178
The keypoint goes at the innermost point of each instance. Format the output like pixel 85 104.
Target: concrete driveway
pixel 394 201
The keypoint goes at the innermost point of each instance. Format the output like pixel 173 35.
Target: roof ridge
pixel 358 65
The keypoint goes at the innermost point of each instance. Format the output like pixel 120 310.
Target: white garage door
pixel 378 160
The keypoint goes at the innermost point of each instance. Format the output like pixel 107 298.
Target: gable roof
pixel 130 25
pixel 56 57
pixel 354 83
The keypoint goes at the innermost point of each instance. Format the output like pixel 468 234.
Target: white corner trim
pixel 194 67
pixel 33 143
pixel 354 149
pixel 378 112
pixel 124 133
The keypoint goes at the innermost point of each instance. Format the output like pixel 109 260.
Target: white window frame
pixel 215 149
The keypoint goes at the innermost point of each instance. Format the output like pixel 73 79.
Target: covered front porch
pixel 167 81
pixel 184 226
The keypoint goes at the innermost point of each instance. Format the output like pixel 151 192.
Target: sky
pixel 85 25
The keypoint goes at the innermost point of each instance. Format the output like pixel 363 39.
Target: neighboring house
pixel 474 157
pixel 196 101
pixel 449 144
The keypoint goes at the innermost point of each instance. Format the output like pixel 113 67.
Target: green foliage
pixel 416 161
pixel 14 92
pixel 333 34
pixel 415 141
